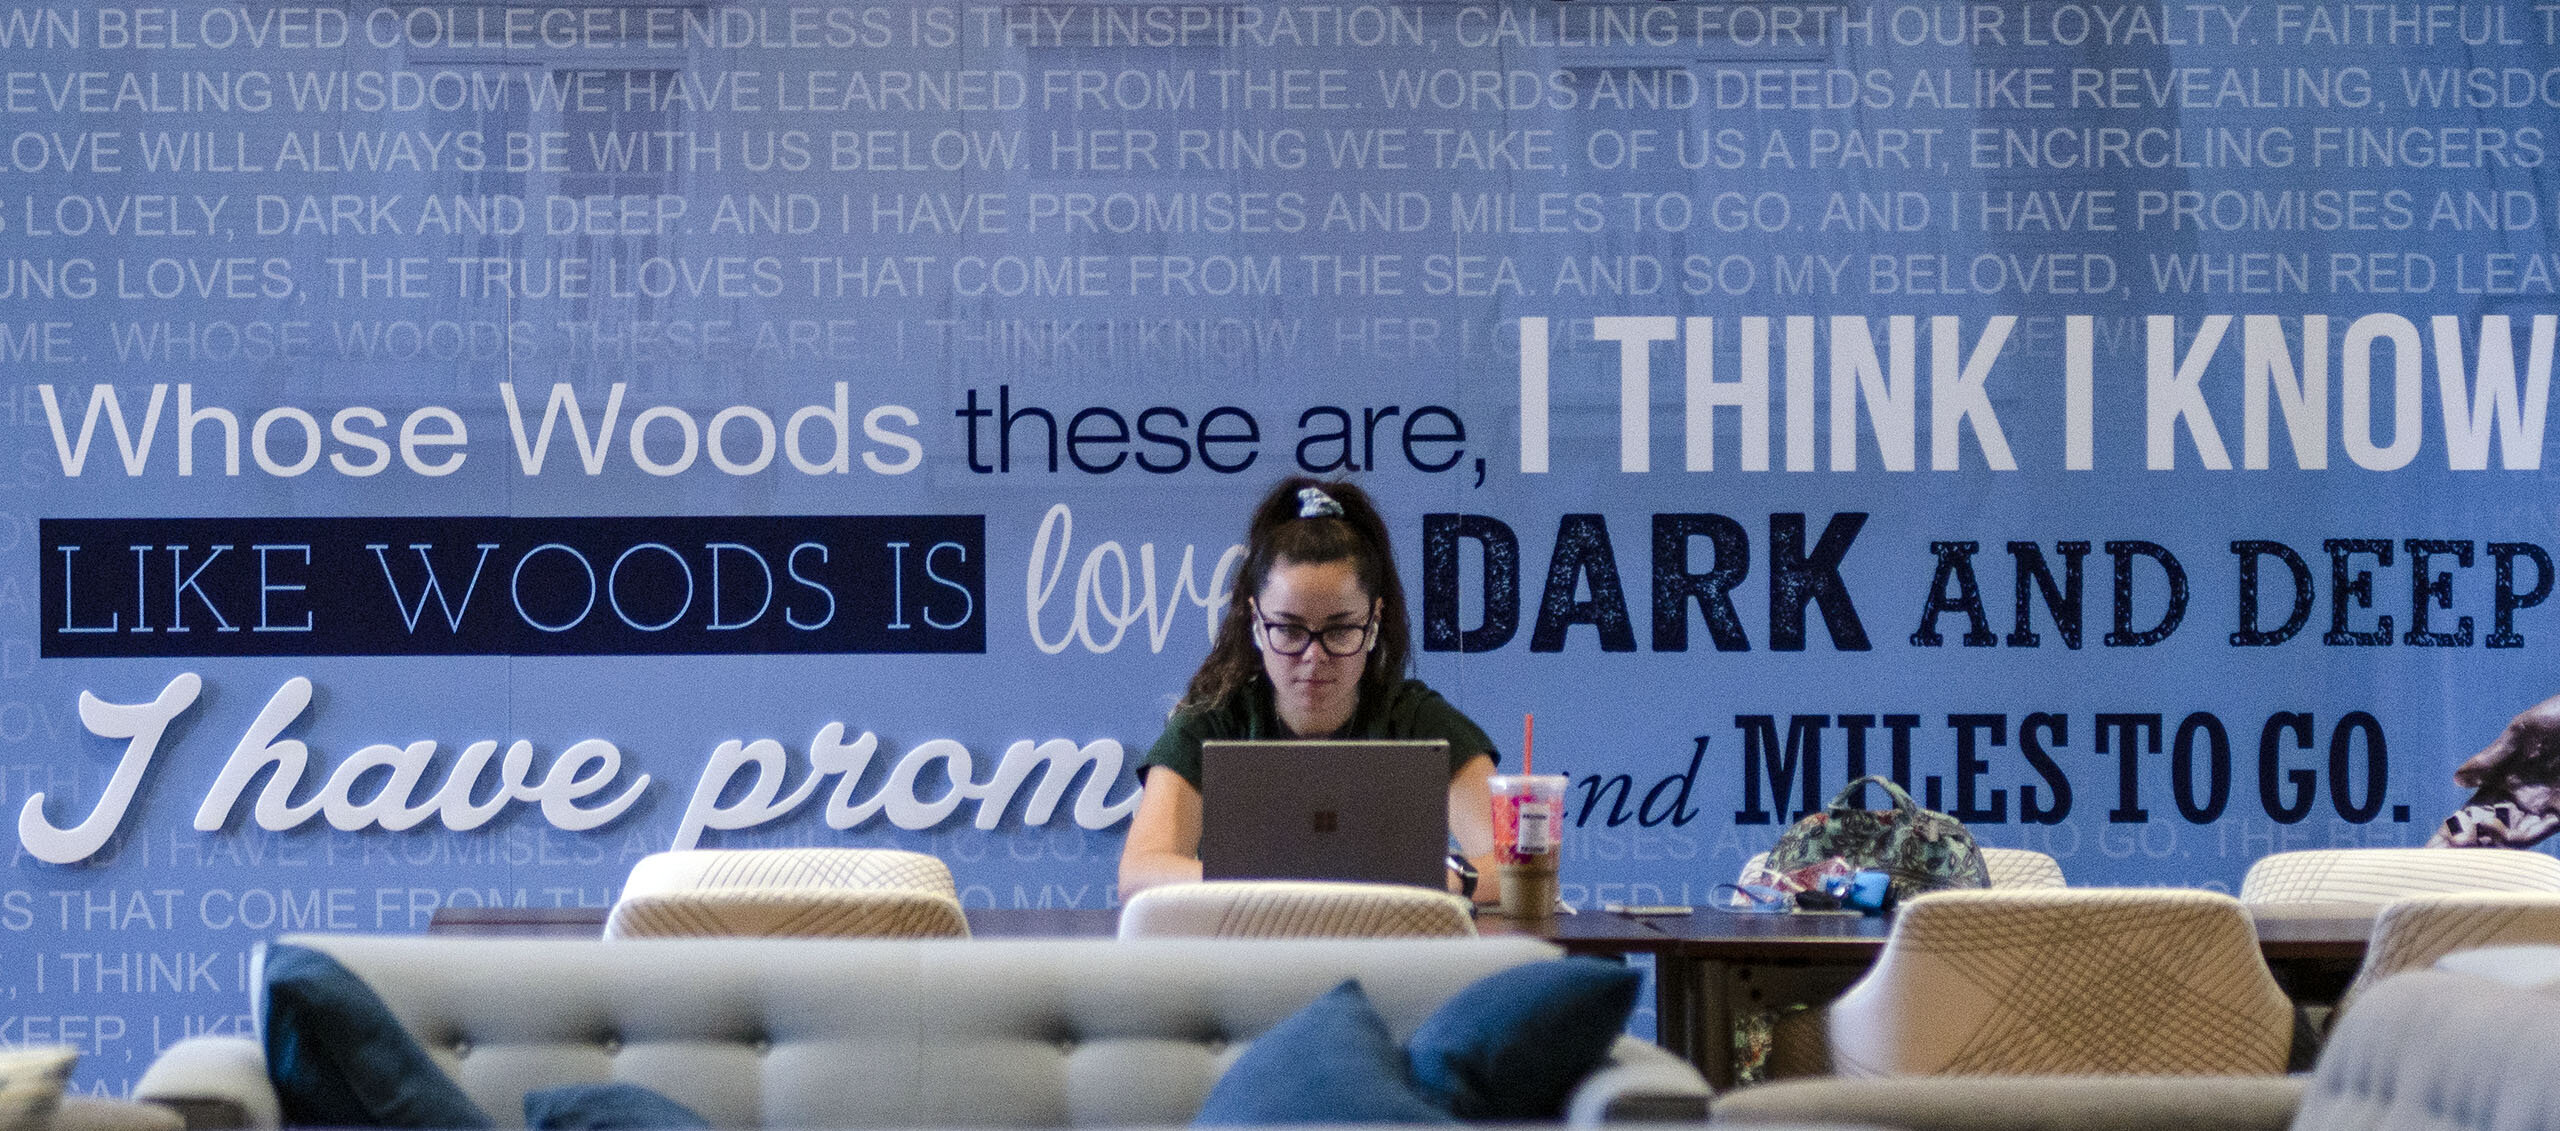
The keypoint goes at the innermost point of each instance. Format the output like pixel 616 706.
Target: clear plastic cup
pixel 1528 827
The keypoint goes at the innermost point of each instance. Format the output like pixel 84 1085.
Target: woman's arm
pixel 1164 836
pixel 1470 821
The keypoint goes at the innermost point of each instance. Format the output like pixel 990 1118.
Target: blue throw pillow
pixel 1332 1062
pixel 1513 1045
pixel 607 1107
pixel 339 1059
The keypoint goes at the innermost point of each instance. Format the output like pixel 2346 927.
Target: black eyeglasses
pixel 1291 639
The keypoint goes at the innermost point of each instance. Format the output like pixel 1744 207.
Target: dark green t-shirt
pixel 1411 711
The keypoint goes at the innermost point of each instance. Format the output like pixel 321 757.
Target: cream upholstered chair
pixel 2053 980
pixel 1294 909
pixel 2008 867
pixel 808 892
pixel 2022 868
pixel 2379 875
pixel 2413 933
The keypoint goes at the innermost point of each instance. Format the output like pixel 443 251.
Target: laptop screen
pixel 1374 811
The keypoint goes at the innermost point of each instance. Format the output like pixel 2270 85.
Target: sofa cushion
pixel 96 1113
pixel 607 1107
pixel 2017 1103
pixel 1513 1045
pixel 339 1059
pixel 1332 1062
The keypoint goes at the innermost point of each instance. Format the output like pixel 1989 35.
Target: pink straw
pixel 1528 738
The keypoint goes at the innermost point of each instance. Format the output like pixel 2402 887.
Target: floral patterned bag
pixel 1921 849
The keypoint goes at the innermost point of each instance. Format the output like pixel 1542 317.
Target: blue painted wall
pixel 657 409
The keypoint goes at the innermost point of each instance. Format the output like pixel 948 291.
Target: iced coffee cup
pixel 1528 820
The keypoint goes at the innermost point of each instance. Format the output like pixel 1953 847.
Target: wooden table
pixel 1587 933
pixel 542 922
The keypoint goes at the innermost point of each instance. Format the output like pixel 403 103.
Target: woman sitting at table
pixel 1314 644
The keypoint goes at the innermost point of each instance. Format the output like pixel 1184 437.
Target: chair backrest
pixel 788 892
pixel 2439 1050
pixel 2064 980
pixel 2416 931
pixel 2009 868
pixel 2022 868
pixel 2380 875
pixel 1277 909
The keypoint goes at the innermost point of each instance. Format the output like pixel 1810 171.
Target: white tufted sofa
pixel 775 1033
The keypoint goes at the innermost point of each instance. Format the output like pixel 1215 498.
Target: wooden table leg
pixel 1693 1000
pixel 1671 1005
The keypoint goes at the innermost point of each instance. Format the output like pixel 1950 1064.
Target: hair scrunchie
pixel 1314 503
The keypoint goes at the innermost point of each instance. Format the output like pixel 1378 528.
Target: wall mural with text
pixel 455 450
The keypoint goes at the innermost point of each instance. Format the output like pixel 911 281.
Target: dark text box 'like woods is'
pixel 132 587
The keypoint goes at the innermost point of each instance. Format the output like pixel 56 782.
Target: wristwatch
pixel 1466 874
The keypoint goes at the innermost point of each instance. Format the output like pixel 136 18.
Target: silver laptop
pixel 1375 811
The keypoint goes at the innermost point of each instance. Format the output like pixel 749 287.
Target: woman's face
pixel 1315 690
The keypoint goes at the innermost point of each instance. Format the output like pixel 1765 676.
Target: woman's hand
pixel 2526 753
pixel 1471 822
pixel 2517 782
pixel 1164 835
